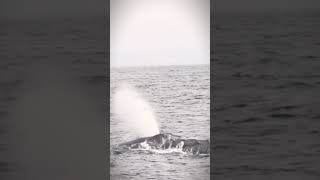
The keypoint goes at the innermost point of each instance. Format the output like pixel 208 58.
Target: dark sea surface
pixel 53 76
pixel 180 99
pixel 266 100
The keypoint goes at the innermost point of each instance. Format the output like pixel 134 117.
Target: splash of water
pixel 144 146
pixel 134 112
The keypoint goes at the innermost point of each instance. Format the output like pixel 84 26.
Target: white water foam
pixel 135 114
pixel 144 146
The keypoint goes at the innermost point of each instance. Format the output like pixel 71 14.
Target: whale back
pixel 168 140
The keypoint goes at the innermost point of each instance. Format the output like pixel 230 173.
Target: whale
pixel 167 141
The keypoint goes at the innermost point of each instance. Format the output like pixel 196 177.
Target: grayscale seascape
pixel 180 99
pixel 52 80
pixel 266 84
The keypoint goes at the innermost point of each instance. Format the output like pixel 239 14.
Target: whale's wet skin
pixel 168 141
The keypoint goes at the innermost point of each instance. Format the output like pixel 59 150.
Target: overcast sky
pixel 159 32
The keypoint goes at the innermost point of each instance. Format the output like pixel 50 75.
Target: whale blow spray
pixel 134 112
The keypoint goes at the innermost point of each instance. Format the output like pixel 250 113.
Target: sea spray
pixel 134 112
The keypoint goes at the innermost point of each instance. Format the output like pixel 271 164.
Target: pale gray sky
pixel 160 32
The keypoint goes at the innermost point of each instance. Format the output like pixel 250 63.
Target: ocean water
pixel 180 99
pixel 52 73
pixel 266 84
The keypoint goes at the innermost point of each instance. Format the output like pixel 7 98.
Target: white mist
pixel 134 112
